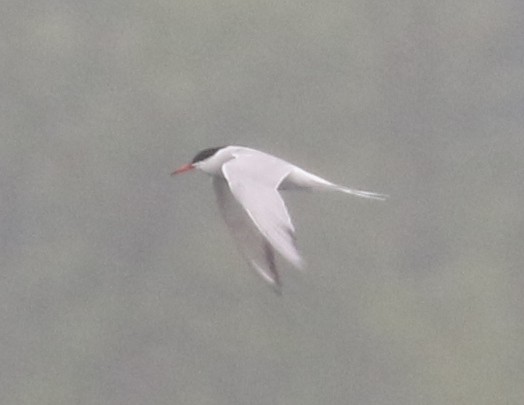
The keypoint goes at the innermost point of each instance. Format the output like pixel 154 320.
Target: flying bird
pixel 247 184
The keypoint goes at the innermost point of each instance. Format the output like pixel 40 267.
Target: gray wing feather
pixel 251 243
pixel 254 181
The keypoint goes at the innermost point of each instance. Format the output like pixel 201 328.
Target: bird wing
pixel 253 246
pixel 253 180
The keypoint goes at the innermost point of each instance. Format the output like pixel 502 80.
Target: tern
pixel 247 184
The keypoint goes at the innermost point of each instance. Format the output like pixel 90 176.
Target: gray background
pixel 120 284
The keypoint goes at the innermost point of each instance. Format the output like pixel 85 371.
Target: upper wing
pixel 253 180
pixel 250 241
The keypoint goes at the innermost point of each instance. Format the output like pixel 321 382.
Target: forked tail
pixel 300 179
pixel 361 193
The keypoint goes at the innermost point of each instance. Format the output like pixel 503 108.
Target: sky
pixel 121 285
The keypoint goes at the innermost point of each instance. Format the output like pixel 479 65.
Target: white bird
pixel 247 184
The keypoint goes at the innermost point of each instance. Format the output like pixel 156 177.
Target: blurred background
pixel 121 285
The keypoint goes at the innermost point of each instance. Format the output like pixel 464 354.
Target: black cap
pixel 204 154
